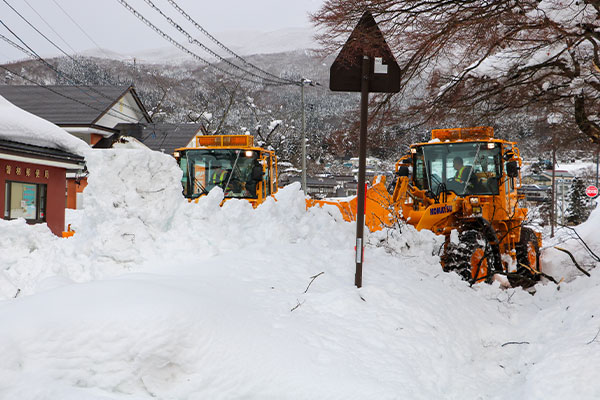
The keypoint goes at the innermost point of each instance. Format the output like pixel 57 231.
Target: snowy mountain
pixel 244 43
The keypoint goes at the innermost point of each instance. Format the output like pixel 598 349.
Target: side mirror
pixel 512 169
pixel 402 171
pixel 508 154
pixel 257 172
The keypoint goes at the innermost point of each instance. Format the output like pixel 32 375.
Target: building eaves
pixel 39 152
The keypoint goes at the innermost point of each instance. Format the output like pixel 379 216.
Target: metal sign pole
pixel 362 166
pixel 351 72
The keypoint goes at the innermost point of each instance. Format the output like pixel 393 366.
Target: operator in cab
pixel 462 174
pixel 462 171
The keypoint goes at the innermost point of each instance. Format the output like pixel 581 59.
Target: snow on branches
pixel 488 57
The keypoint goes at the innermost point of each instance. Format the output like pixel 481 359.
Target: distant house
pixel 536 193
pixel 535 179
pixel 96 114
pixel 560 175
pixel 33 176
pixel 166 138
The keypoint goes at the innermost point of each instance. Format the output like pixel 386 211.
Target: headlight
pixel 176 154
pixel 474 200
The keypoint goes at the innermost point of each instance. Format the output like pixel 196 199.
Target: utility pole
pixel 562 201
pixel 597 162
pixel 553 210
pixel 302 82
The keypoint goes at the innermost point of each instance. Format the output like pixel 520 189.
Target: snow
pixel 18 125
pixel 554 118
pixel 577 167
pixel 155 297
pixel 274 124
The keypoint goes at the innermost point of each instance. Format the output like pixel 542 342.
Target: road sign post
pixel 365 64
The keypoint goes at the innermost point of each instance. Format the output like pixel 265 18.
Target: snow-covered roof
pixel 69 104
pixel 18 125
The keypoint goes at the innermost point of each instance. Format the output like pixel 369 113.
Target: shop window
pixel 25 200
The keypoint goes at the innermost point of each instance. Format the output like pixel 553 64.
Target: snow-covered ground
pixel 577 167
pixel 158 298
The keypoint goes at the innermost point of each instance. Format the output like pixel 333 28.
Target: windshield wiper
pixel 471 170
pixel 202 188
pixel 233 169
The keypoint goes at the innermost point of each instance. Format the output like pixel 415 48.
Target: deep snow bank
pixel 197 301
pixel 559 264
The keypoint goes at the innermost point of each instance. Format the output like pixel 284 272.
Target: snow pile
pixel 198 301
pixel 559 264
pixel 18 125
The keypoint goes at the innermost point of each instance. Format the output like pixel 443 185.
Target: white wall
pixel 126 105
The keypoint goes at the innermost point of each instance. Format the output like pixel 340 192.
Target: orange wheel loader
pixel 461 184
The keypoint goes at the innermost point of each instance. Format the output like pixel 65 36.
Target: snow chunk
pixel 274 124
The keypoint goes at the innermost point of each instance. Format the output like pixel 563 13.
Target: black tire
pixel 524 276
pixel 458 256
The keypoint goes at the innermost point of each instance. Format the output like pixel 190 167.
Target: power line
pixel 50 26
pixel 44 36
pixel 56 92
pixel 69 77
pixel 60 73
pixel 16 46
pixel 221 45
pixel 80 28
pixel 186 50
pixel 36 29
pixel 203 47
pixel 208 50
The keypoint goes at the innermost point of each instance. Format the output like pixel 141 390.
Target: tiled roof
pixel 168 137
pixel 76 105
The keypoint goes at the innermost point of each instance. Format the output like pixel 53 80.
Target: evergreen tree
pixel 578 211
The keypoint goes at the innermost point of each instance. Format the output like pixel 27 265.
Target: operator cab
pixel 465 168
pixel 230 162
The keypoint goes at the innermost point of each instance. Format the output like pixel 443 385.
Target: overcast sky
pixel 113 27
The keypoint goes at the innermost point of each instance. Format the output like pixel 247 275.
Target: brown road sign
pixel 365 64
pixel 365 40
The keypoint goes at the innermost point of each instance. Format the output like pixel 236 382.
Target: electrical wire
pixel 50 26
pixel 61 50
pixel 186 50
pixel 208 50
pixel 77 86
pixel 34 28
pixel 80 28
pixel 16 46
pixel 77 83
pixel 55 91
pixel 221 45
